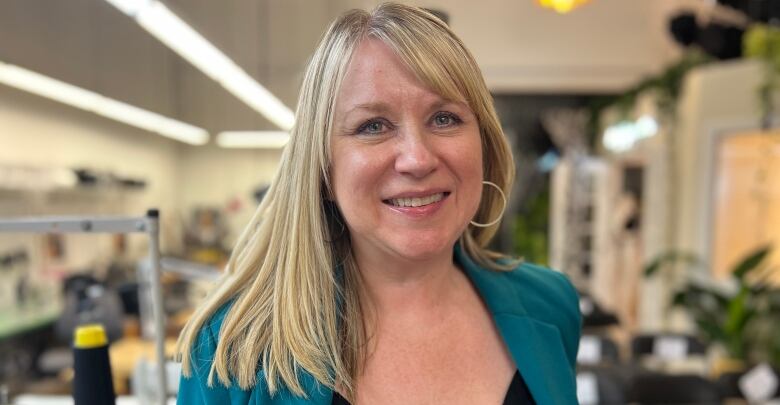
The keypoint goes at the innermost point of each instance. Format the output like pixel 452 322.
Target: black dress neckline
pixel 517 394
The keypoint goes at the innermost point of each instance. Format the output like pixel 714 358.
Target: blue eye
pixel 372 127
pixel 445 119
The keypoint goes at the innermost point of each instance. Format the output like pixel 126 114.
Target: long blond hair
pixel 290 310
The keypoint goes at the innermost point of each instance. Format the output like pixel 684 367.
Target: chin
pixel 424 249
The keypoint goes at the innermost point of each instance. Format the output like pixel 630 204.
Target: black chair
pixel 611 386
pixel 657 389
pixel 728 385
pixel 648 344
pixel 606 350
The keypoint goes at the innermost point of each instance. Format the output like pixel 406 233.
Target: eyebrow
pixel 378 107
pixel 381 107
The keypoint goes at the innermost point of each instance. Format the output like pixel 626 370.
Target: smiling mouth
pixel 416 201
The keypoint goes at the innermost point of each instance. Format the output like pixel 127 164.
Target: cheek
pixel 466 156
pixel 352 174
pixel 468 167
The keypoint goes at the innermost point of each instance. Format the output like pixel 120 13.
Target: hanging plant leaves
pixel 750 263
pixel 670 258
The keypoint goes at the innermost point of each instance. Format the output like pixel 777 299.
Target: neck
pixel 403 289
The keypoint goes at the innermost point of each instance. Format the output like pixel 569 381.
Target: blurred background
pixel 645 134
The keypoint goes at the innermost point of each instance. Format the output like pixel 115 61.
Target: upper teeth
pixel 416 202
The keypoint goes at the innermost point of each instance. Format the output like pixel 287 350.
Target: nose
pixel 416 156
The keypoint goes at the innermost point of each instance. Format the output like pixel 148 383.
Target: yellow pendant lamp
pixel 562 6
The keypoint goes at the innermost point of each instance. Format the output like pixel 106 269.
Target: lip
pixel 419 212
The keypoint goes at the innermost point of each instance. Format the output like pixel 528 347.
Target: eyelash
pixel 362 129
pixel 455 119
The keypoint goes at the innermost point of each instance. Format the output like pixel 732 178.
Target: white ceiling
pixel 602 47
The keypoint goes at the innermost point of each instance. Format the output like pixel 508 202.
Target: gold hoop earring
pixel 503 208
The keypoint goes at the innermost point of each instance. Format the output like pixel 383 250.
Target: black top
pixel 517 394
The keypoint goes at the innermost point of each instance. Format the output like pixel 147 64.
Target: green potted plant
pixel 739 315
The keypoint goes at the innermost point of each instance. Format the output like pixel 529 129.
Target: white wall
pixel 215 177
pixel 38 132
pixel 35 132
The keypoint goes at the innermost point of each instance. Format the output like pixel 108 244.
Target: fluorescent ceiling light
pixel 45 86
pixel 177 35
pixel 253 139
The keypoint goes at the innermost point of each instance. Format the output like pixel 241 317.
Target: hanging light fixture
pixel 562 6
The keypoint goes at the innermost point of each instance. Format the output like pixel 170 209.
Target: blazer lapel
pixel 538 353
pixel 535 346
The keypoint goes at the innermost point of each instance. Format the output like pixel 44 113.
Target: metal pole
pixel 152 228
pixel 74 225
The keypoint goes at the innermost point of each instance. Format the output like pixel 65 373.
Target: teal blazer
pixel 535 309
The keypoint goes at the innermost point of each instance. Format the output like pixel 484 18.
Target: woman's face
pixel 406 164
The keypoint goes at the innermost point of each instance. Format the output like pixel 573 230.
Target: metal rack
pixel 149 225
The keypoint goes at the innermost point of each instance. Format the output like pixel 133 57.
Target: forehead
pixel 377 73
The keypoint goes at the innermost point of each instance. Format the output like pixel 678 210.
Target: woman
pixel 364 276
